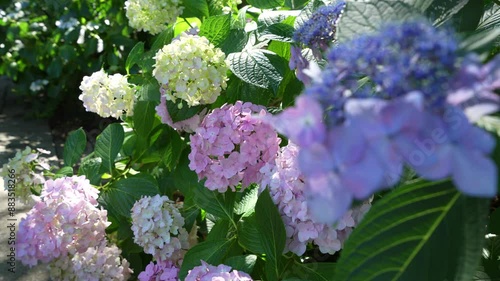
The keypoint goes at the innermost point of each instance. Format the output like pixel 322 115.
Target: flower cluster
pixel 152 15
pixel 158 227
pixel 189 125
pixel 231 146
pixel 407 110
pixel 191 69
pixel 286 186
pixel 97 263
pixel 161 270
pixel 313 38
pixel 318 32
pixel 207 272
pixel 26 178
pixel 107 95
pixel 65 220
pixel 101 263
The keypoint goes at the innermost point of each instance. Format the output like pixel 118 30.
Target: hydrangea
pixel 107 95
pixel 158 227
pixel 189 125
pixel 152 15
pixel 408 109
pixel 161 270
pixel 231 146
pixel 286 185
pixel 96 263
pixel 101 263
pixel 65 220
pixel 25 163
pixel 191 69
pixel 319 30
pixel 207 272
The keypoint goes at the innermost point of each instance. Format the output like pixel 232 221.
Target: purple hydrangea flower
pixel 161 270
pixel 207 272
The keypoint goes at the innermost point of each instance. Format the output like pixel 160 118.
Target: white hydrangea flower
pixel 158 227
pixel 107 95
pixel 24 166
pixel 192 69
pixel 152 15
pixel 101 263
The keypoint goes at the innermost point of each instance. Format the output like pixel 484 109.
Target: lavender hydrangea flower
pixel 231 146
pixel 161 270
pixel 286 185
pixel 207 272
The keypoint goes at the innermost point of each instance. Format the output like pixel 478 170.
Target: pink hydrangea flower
pixel 101 263
pixel 161 270
pixel 286 185
pixel 189 125
pixel 65 220
pixel 207 272
pixel 231 146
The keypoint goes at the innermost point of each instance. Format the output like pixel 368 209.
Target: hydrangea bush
pixel 283 140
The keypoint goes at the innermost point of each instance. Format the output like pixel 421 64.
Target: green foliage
pixel 422 231
pixel 74 146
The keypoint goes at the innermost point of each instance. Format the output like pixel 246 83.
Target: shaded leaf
pixel 74 146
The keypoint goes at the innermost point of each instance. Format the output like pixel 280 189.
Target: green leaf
pixel 195 8
pixel 238 90
pixel 279 32
pixel 491 258
pixel 134 56
pixel 272 233
pixel 467 19
pixel 215 203
pixel 185 112
pixel 216 29
pixel 90 168
pixel 280 48
pixel 213 252
pixel 65 172
pixel 74 146
pixel 480 41
pixel 219 230
pixel 421 231
pixel 494 224
pixel 108 144
pixel 366 17
pixel 246 203
pixel 257 68
pixel 162 39
pixel 170 146
pixel 122 194
pixel 235 41
pixel 316 271
pixel 306 12
pixel 248 235
pixel 242 263
pixel 491 17
pixel 144 118
pixel 441 11
pixel 266 4
pixel 149 90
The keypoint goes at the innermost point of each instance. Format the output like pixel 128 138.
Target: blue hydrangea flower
pixel 319 30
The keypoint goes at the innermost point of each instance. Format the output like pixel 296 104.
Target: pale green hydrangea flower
pixel 107 95
pixel 191 69
pixel 152 15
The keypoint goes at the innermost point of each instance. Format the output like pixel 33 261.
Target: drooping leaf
pixel 422 231
pixel 108 144
pixel 74 146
